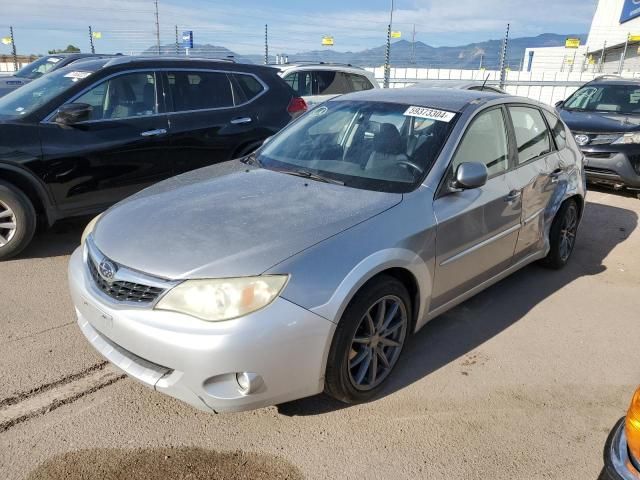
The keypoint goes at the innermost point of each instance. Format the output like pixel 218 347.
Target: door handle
pixel 513 196
pixel 555 175
pixel 241 120
pixel 154 133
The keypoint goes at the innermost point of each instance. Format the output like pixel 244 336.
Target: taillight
pixel 297 106
pixel 632 426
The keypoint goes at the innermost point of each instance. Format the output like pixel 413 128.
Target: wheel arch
pixel 31 187
pixel 404 265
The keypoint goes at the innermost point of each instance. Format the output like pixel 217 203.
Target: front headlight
pixel 632 426
pixel 89 229
pixel 216 300
pixel 628 138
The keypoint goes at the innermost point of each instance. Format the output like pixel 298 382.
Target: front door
pixel 477 229
pixel 118 151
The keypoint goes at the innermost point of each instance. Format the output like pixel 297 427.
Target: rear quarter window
pixel 249 86
pixel 359 82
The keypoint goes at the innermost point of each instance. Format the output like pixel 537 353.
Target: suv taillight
pixel 297 106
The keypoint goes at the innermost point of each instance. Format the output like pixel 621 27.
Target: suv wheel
pixel 562 235
pixel 368 340
pixel 17 221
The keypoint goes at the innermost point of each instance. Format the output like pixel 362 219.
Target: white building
pixel 614 33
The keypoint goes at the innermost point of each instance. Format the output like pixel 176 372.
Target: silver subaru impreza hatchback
pixel 308 265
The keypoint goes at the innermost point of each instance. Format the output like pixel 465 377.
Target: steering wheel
pixel 411 165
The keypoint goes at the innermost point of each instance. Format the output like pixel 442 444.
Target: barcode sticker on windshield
pixel 78 75
pixel 430 114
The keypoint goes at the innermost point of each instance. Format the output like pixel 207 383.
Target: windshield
pixel 606 98
pixel 38 68
pixel 373 146
pixel 28 98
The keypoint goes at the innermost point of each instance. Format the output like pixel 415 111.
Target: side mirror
pixel 559 104
pixel 72 113
pixel 471 175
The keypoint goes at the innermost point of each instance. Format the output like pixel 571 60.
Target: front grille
pixel 124 291
pixel 599 155
pixel 603 171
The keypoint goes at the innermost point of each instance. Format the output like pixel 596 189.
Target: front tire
pixel 368 340
pixel 17 221
pixel 562 236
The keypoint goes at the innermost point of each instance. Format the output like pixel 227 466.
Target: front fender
pixel 369 268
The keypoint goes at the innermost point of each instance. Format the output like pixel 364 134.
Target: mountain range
pixel 403 53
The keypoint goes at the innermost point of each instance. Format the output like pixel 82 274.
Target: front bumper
pixel 617 464
pixel 621 167
pixel 197 361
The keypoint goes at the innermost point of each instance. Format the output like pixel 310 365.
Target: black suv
pixel 79 139
pixel 604 116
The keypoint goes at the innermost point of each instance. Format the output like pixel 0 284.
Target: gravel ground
pixel 523 381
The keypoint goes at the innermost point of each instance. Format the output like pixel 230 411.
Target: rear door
pixel 477 229
pixel 119 150
pixel 533 175
pixel 211 118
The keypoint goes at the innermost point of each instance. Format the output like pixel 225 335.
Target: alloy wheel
pixel 377 342
pixel 568 232
pixel 7 224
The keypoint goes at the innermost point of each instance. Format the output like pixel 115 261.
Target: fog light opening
pixel 248 383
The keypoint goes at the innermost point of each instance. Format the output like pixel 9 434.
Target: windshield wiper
pixel 312 176
pixel 252 159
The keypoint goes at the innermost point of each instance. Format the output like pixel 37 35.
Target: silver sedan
pixel 307 266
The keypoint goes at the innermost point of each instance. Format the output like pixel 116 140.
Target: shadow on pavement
pixel 472 323
pixel 162 464
pixel 61 239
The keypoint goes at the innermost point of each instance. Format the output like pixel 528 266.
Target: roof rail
pixel 315 62
pixel 608 75
pixel 122 59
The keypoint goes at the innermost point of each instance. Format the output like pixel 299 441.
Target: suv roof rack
pixel 315 62
pixel 121 59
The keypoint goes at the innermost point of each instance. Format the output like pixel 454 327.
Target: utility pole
pixel 413 45
pixel 13 49
pixel 93 48
pixel 503 58
pixel 157 26
pixel 177 42
pixel 387 55
pixel 266 44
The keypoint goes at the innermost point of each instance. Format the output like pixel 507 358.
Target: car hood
pixel 229 220
pixel 600 122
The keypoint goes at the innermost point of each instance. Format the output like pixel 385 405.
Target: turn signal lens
pixel 632 426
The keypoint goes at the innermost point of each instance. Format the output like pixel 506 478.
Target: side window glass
pixel 250 87
pixel 300 82
pixel 532 136
pixel 557 129
pixel 124 96
pixel 359 82
pixel 331 83
pixel 486 142
pixel 199 90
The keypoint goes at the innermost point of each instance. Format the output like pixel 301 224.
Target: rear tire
pixel 562 236
pixel 17 221
pixel 368 340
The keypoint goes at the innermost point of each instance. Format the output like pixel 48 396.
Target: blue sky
pixel 128 26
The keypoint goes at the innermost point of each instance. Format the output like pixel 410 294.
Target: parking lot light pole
pixel 266 44
pixel 503 58
pixel 157 27
pixel 387 56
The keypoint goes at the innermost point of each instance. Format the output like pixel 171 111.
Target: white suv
pixel 319 82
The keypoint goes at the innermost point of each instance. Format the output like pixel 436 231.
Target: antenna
pixel 484 84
